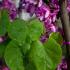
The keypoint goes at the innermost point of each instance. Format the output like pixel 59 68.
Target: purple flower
pixel 54 1
pixel 62 65
pixel 1 39
pixel 44 37
pixel 42 12
pixel 10 6
pixel 68 6
pixel 5 68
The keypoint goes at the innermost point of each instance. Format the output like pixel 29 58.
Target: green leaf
pixel 57 36
pixel 13 57
pixel 36 29
pixel 3 47
pixel 28 40
pixel 25 48
pixel 46 1
pixel 53 49
pixel 4 21
pixel 2 50
pixel 30 66
pixel 18 31
pixel 39 57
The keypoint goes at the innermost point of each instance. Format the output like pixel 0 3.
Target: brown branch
pixel 66 28
pixel 69 17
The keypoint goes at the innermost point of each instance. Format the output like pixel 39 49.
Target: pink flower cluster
pixel 4 68
pixel 47 13
pixel 42 11
pixel 62 65
pixel 10 6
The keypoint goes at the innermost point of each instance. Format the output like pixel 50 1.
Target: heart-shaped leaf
pixel 39 57
pixel 53 49
pixel 36 29
pixel 18 31
pixel 13 57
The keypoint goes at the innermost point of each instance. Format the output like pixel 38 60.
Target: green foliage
pixel 13 57
pixel 53 49
pixel 39 57
pixel 18 31
pixel 4 21
pixel 2 49
pixel 25 48
pixel 30 66
pixel 57 36
pixel 24 51
pixel 36 28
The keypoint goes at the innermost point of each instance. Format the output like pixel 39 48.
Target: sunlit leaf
pixel 57 37
pixel 53 49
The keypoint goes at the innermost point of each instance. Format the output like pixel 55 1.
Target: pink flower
pixel 42 12
pixel 62 65
pixel 5 68
pixel 10 6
